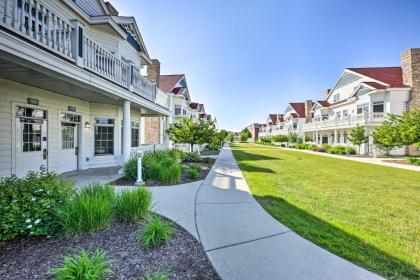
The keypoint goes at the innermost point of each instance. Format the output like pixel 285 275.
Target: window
pixel 345 113
pixel 135 134
pixel 67 134
pixel 378 106
pixel 177 110
pixel 362 108
pixel 295 126
pixel 70 118
pixel 31 137
pixel 324 117
pixel 336 97
pixel 338 137
pixel 104 136
pixel 30 113
pixel 345 137
pixel 338 116
pixel 184 112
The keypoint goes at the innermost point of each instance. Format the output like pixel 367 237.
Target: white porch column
pixel 161 130
pixel 126 147
pixel 316 137
pixel 335 136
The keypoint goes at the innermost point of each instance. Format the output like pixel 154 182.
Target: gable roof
pixel 391 76
pixel 299 108
pixel 168 82
pixel 324 103
pixel 194 105
pixel 375 85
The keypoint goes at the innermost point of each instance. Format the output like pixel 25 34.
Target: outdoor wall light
pixel 87 124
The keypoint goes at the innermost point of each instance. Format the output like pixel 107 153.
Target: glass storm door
pixel 69 147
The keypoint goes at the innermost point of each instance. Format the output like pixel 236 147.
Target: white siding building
pixel 71 93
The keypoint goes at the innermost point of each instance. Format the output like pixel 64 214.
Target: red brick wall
pixel 151 130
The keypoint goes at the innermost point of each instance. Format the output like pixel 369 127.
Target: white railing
pixel 142 86
pixel 162 98
pixel 101 61
pixel 38 23
pixel 351 120
pixel 41 23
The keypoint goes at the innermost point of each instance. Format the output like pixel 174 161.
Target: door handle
pixel 44 154
pixel 76 151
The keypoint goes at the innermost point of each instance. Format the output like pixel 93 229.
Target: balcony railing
pixel 351 120
pixel 39 22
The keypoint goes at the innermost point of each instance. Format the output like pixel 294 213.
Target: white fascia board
pixel 377 81
pixel 108 20
pixel 132 20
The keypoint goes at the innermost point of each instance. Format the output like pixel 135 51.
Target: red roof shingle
pixel 375 85
pixel 299 108
pixel 389 75
pixel 168 82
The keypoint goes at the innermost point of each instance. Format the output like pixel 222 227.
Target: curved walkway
pixel 242 240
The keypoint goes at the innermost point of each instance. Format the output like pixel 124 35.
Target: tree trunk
pixel 192 147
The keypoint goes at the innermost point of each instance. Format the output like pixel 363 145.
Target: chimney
pixel 308 108
pixel 410 65
pixel 326 92
pixel 111 9
pixel 153 71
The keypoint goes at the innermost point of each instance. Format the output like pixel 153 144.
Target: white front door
pixel 31 145
pixel 69 147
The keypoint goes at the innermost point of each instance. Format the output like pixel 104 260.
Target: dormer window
pixel 336 97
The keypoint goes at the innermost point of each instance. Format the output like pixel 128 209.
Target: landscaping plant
pixel 191 157
pixel 358 136
pixel 193 171
pixel 156 276
pixel 413 160
pixel 89 210
pixel 350 150
pixel 83 266
pixel 132 205
pixel 156 231
pixel 130 169
pixel 27 204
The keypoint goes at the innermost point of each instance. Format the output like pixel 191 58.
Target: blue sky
pixel 244 59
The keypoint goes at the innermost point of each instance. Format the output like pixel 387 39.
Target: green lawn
pixel 366 213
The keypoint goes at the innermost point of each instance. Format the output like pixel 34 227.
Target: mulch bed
pixel 183 180
pixel 183 257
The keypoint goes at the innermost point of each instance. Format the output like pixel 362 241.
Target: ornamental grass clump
pixel 132 205
pixel 156 276
pixel 27 205
pixel 156 231
pixel 193 171
pixel 89 210
pixel 83 266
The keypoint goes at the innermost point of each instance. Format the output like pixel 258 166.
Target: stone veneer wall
pixel 152 130
pixel 410 64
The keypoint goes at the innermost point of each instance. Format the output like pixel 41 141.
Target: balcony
pixel 349 121
pixel 46 26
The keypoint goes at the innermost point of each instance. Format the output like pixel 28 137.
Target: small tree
pixel 280 138
pixel 388 135
pixel 308 139
pixel 409 127
pixel 218 139
pixel 358 136
pixel 191 131
pixel 230 137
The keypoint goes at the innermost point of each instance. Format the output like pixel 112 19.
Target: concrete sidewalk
pixel 241 239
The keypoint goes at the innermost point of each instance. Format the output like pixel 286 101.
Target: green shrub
pixel 83 266
pixel 89 210
pixel 191 157
pixel 325 146
pixel 170 171
pixel 176 154
pixel 132 205
pixel 155 232
pixel 130 169
pixel 413 160
pixel 350 150
pixel 265 140
pixel 339 150
pixel 207 160
pixel 27 204
pixel 156 276
pixel 193 171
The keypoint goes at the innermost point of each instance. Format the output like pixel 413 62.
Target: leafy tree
pixel 280 138
pixel 308 139
pixel 230 137
pixel 191 131
pixel 218 139
pixel 358 136
pixel 389 134
pixel 409 127
pixel 293 138
pixel 244 136
pixel 247 132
